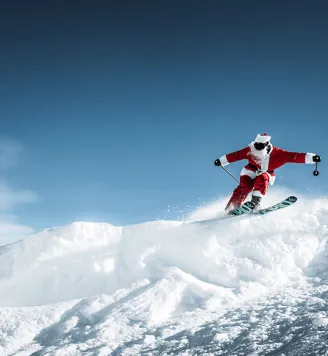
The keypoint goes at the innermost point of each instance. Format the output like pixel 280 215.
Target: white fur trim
pixel 247 172
pixel 309 158
pixel 265 163
pixel 272 179
pixel 262 139
pixel 224 161
pixel 257 193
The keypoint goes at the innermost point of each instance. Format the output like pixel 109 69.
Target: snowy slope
pixel 247 285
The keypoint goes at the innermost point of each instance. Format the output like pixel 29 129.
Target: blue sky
pixel 117 111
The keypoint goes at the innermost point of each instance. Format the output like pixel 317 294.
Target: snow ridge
pixel 93 287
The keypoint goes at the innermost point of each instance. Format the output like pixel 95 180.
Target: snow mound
pixel 132 280
pixel 244 256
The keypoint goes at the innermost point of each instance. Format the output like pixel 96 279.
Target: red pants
pixel 260 185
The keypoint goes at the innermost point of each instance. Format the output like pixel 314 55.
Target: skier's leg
pixel 261 185
pixel 240 193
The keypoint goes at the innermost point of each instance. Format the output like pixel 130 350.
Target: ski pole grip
pixel 316 172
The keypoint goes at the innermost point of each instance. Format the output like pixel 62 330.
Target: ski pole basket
pixel 316 172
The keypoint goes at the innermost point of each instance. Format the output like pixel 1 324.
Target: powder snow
pixel 207 285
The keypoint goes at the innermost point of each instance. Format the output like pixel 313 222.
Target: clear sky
pixel 115 110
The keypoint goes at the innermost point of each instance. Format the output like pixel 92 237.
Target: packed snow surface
pixel 208 285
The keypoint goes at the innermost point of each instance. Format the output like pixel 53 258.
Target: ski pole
pixel 316 172
pixel 233 175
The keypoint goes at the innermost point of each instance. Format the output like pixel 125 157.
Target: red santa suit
pixel 259 172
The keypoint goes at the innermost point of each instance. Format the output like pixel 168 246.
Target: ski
pixel 283 204
pixel 243 209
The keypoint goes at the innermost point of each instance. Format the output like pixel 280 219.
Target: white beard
pixel 259 156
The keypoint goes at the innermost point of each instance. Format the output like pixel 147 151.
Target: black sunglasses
pixel 259 146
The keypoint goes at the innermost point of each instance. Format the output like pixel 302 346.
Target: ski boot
pixel 256 201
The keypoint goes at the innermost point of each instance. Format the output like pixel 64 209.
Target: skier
pixel 263 158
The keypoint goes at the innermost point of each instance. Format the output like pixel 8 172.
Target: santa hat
pixel 263 138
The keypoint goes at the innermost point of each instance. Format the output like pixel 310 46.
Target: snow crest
pixel 130 282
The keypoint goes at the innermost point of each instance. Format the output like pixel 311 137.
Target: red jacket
pixel 276 158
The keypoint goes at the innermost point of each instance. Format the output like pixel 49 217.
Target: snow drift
pixel 110 285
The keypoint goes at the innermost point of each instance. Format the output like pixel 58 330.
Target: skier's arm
pixel 234 156
pixel 296 157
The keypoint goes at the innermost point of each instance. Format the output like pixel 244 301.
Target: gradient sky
pixel 113 111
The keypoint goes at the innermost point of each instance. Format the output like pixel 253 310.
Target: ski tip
pixel 292 199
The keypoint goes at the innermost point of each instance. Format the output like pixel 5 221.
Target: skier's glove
pixel 217 162
pixel 316 158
